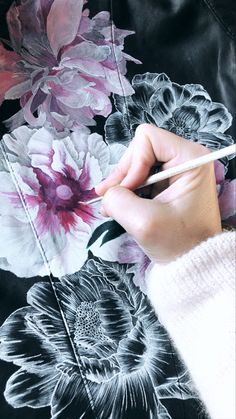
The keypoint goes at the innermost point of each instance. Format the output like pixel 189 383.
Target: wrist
pixel 184 245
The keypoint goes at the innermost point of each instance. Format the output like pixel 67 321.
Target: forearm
pixel 195 300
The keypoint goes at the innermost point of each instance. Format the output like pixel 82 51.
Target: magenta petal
pixel 219 172
pixel 63 22
pixel 227 199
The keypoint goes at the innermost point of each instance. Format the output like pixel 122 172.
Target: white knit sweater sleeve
pixel 194 297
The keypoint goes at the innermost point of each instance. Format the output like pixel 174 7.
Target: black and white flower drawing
pixel 187 111
pixel 106 359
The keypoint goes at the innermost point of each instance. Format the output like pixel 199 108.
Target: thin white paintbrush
pixel 181 168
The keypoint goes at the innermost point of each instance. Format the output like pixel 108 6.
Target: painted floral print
pixel 54 174
pixel 226 195
pixel 124 249
pixel 187 111
pixel 64 65
pixel 116 345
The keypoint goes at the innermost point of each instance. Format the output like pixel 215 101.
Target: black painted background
pixel 192 41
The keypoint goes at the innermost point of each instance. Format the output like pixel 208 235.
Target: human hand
pixel 184 210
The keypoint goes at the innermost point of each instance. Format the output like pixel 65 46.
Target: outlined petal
pixel 63 22
pixel 65 400
pixel 31 389
pixel 22 346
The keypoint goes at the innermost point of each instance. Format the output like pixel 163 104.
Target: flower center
pixel 178 127
pixel 88 323
pixel 64 192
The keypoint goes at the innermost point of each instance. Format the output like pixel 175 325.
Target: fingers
pixel 136 215
pixel 116 177
pixel 149 145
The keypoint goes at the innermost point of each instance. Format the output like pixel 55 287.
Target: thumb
pixel 129 210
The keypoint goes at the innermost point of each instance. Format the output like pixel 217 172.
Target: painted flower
pixel 40 198
pixel 123 249
pixel 187 111
pixel 110 359
pixel 226 196
pixel 131 252
pixel 64 65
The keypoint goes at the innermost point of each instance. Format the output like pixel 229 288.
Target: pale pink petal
pixel 87 51
pixel 91 173
pixel 74 253
pixel 17 238
pixel 10 203
pixel 14 143
pixel 40 150
pixel 117 83
pixel 63 22
pixel 98 148
pixel 95 69
pixel 65 159
pixel 26 179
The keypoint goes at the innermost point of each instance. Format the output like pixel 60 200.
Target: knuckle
pixel 142 129
pixel 200 149
pixel 110 196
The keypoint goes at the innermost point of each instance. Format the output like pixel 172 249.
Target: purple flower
pixel 226 195
pixel 64 65
pixel 53 173
pixel 131 252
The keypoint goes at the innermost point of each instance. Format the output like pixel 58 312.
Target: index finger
pixel 150 144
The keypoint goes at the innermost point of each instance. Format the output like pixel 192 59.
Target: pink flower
pixel 52 174
pixel 131 252
pixel 226 195
pixel 65 64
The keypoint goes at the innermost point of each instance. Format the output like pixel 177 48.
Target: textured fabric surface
pixel 194 297
pixel 79 337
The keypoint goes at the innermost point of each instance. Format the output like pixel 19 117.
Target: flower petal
pixel 115 316
pixel 227 199
pixel 219 119
pixel 65 158
pixel 98 371
pixel 65 401
pixel 62 23
pixel 10 74
pixel 116 130
pixel 46 315
pixel 23 346
pixel 17 238
pixel 31 389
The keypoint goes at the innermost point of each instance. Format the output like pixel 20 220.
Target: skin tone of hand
pixel 184 209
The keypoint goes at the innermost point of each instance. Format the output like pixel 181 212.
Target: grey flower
pixel 186 110
pixel 112 360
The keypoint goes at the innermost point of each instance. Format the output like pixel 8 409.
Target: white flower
pixel 52 174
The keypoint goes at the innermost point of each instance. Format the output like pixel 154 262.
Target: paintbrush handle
pixel 191 164
pixel 181 168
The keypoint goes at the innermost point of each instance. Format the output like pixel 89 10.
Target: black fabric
pixel 192 41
